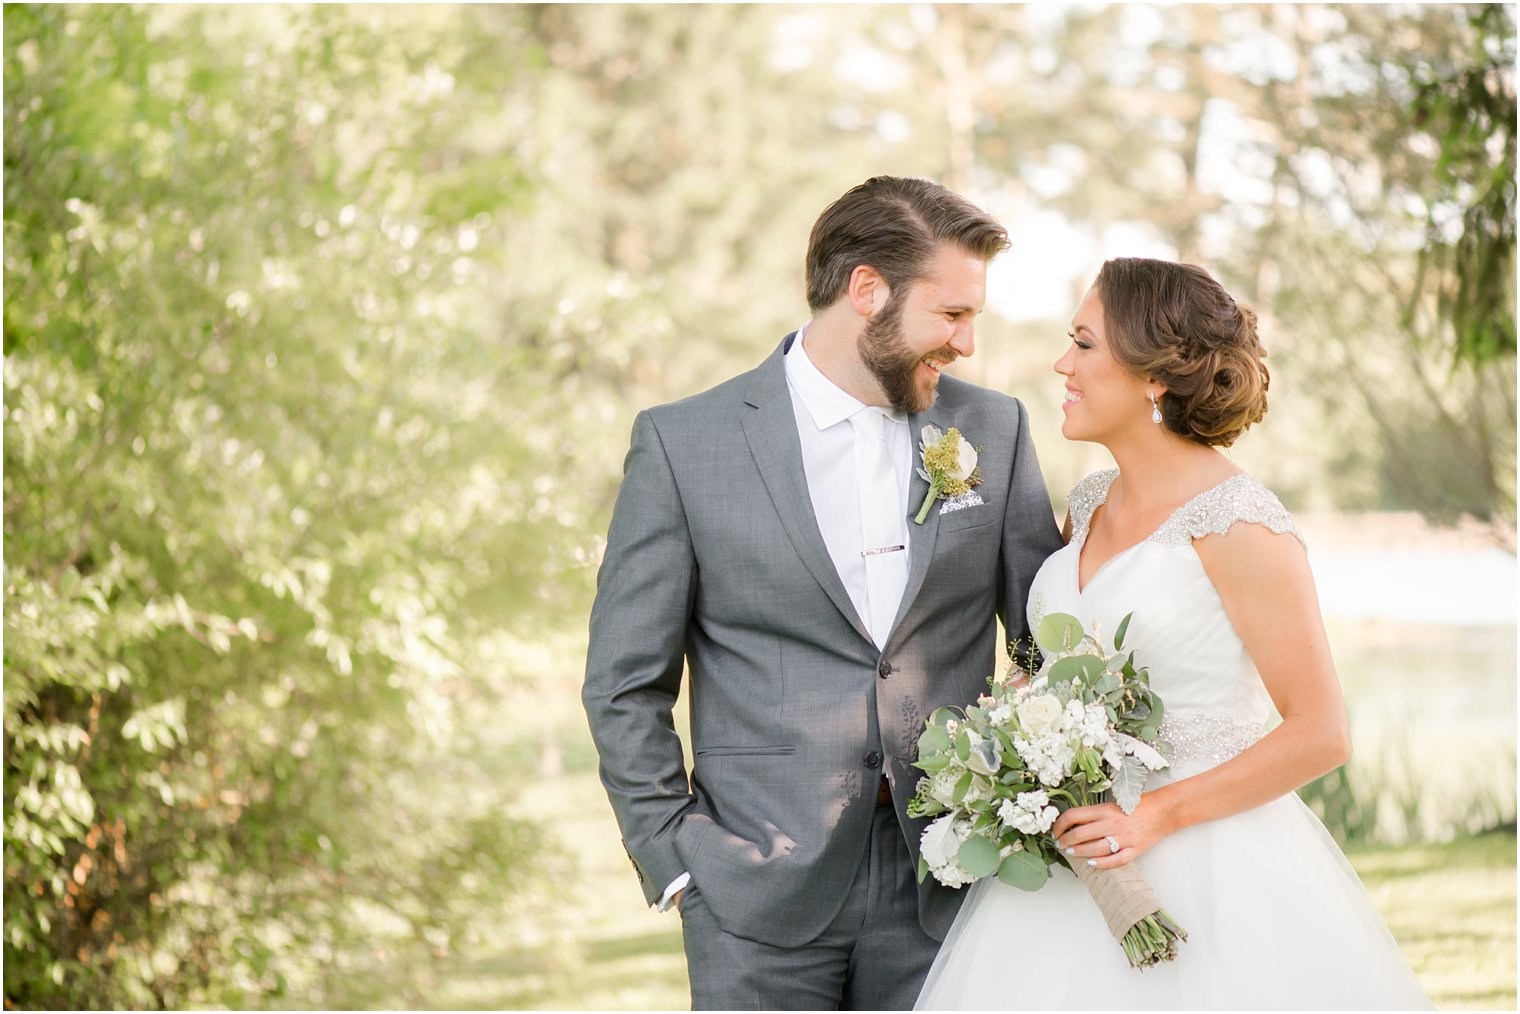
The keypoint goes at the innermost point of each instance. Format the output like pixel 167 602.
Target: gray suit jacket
pixel 715 559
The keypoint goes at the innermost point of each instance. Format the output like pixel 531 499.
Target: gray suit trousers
pixel 874 955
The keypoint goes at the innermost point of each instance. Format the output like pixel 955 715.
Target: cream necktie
pixel 883 524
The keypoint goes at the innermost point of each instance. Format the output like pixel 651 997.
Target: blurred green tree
pixel 267 530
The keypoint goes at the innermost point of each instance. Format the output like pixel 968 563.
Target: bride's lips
pixel 1072 397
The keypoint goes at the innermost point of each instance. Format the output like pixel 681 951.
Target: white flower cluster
pixel 1052 734
pixel 1029 812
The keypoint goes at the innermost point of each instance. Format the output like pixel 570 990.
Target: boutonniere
pixel 949 466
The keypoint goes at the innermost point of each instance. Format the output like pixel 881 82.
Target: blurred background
pixel 324 332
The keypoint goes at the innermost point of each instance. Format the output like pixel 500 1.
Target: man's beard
pixel 891 362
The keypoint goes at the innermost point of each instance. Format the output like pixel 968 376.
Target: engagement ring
pixel 1113 846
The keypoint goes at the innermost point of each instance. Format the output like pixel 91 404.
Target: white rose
pixel 1040 715
pixel 965 461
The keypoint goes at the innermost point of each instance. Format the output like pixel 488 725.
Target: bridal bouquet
pixel 999 773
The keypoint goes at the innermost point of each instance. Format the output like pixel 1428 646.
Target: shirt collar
pixel 825 401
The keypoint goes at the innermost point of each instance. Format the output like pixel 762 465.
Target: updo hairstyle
pixel 1175 325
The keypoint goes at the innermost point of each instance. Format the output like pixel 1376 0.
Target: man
pixel 765 535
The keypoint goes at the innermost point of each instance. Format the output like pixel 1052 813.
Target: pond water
pixel 1425 645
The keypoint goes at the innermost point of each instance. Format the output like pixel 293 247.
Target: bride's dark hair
pixel 1174 324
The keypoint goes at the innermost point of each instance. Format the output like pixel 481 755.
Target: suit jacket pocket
pixel 970 517
pixel 729 751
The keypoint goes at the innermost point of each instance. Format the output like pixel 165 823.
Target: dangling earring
pixel 1155 410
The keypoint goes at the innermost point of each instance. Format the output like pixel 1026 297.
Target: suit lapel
pixel 921 538
pixel 771 431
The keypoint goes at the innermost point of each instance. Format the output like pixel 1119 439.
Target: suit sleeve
pixel 644 595
pixel 1030 535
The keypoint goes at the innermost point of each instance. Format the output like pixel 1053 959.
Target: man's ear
pixel 868 290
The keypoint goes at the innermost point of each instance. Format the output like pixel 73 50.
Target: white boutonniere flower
pixel 950 466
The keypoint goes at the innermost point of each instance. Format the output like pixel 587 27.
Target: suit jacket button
pixel 873 760
pixel 884 670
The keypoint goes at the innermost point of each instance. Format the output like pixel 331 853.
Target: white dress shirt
pixel 828 457
pixel 823 413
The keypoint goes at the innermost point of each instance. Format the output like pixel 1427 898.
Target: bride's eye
pixel 1079 342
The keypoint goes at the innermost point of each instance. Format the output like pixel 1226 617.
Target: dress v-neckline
pixel 1082 587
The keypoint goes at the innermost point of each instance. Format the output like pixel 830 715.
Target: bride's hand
pixel 1083 833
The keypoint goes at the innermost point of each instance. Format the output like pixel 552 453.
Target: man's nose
pixel 963 339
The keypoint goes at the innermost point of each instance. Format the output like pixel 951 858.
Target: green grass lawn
pixel 592 944
pixel 1452 908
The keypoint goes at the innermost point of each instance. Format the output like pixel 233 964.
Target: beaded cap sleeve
pixel 1212 512
pixel 1084 498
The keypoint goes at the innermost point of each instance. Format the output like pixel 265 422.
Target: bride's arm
pixel 1268 593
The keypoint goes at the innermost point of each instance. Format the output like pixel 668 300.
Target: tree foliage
pixel 1470 107
pixel 259 529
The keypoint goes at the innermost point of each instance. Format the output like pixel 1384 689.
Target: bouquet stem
pixel 1133 913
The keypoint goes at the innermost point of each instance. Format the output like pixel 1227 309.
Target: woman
pixel 1164 368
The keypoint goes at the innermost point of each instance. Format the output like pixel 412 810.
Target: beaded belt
pixel 1211 738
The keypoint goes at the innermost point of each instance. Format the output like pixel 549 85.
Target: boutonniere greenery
pixel 949 466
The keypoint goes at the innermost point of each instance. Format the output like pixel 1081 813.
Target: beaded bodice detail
pixel 1212 512
pixel 1215 701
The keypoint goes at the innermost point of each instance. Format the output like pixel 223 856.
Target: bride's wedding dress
pixel 1275 916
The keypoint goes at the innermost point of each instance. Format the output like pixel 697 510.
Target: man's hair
pixel 893 224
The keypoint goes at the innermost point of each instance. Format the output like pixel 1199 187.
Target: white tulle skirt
pixel 1276 919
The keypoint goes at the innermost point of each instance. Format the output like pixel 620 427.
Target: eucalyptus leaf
pixel 933 740
pixel 1024 870
pixel 940 716
pixel 1119 634
pixel 1058 632
pixel 1088 667
pixel 978 856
